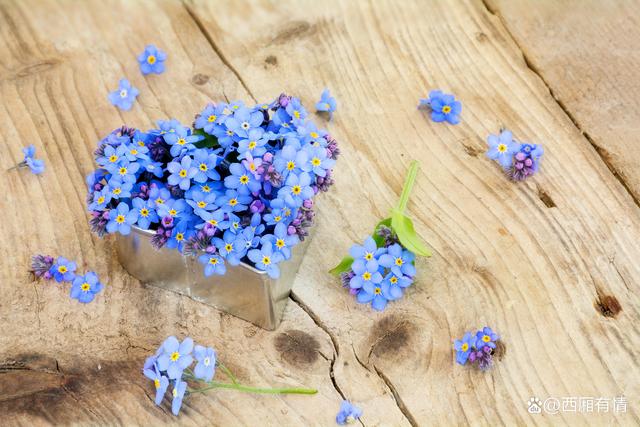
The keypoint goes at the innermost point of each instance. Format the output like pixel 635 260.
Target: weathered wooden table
pixel 552 264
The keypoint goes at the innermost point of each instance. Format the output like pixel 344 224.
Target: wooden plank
pixel 541 261
pixel 588 53
pixel 538 261
pixel 59 60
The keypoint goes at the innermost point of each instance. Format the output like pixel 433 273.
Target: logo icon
pixel 534 405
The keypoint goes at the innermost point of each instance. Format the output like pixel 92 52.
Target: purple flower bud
pixel 528 162
pixel 308 203
pixel 257 206
pixel 291 230
pixel 211 249
pixel 520 156
pixel 283 100
pixel 518 165
pixel 267 157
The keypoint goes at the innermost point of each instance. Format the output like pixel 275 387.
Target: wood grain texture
pixel 588 53
pixel 543 262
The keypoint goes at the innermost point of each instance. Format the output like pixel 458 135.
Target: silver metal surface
pixel 243 291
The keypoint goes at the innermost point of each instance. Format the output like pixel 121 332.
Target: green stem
pixel 248 389
pixel 408 185
pixel 228 372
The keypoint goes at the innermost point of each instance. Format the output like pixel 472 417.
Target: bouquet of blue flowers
pixel 237 186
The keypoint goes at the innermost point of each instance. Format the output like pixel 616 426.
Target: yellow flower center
pixel 213 261
pixel 182 173
pixel 159 201
pixel 202 204
pixel 252 145
pixel 123 93
pixel 233 202
pixel 206 188
pixel 85 287
pixel 486 338
pixel 62 269
pixel 228 247
pixel 296 114
pixel 446 109
pixel 296 189
pixel 244 179
pixel 394 280
pixel 314 134
pixel 174 392
pixel 213 222
pixel 133 152
pixel 366 275
pixel 203 167
pixel 502 148
pixel 144 212
pixel 206 361
pixel 252 167
pixel 315 161
pixel 100 200
pixel 280 243
pixel 291 165
pixel 368 256
pixel 212 118
pixel 277 218
pixel 140 143
pixel 120 219
pixel 117 191
pixel 266 260
pixel 181 141
pixel 377 291
pixel 151 59
pixel 464 347
pixel 173 212
pixel 175 356
pixel 399 262
pixel 122 171
pixel 230 132
pixel 156 382
pixel 113 158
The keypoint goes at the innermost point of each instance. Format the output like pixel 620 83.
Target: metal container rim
pixel 151 233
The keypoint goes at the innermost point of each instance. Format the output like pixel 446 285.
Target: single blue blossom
pixel 253 144
pixel 295 109
pixel 290 159
pixel 200 201
pixel 152 60
pixel 181 140
pixel 443 106
pixel 242 180
pixel 181 173
pixel 266 259
pixel 100 199
pixel 397 284
pixel 209 118
pixel 84 288
pixel 243 121
pixel 318 161
pixel 124 96
pixel 206 358
pixel 486 338
pixel 281 240
pixel 175 357
pixel 364 272
pixel 63 270
pixel 119 189
pixel 398 260
pixel 160 382
pixel 213 264
pixel 179 389
pixel 368 253
pixel 348 413
pixel 146 212
pixel 121 219
pixel 327 103
pixel 375 293
pixel 502 148
pixel 464 347
pixel 168 126
pixel 206 162
pixel 296 189
pixel 233 201
pixel 35 165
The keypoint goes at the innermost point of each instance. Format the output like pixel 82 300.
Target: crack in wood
pixel 602 153
pixel 217 49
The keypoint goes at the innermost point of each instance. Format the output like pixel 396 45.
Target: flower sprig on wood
pixel 84 287
pixel 380 269
pixel 171 366
pixel 477 348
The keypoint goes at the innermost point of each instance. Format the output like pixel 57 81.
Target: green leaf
pixel 209 141
pixel 403 227
pixel 343 267
pixel 378 239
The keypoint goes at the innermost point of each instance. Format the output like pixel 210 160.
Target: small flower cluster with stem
pixel 36 166
pixel 519 160
pixel 171 366
pixel 384 266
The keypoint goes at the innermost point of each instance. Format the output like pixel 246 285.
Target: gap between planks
pixel 535 70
